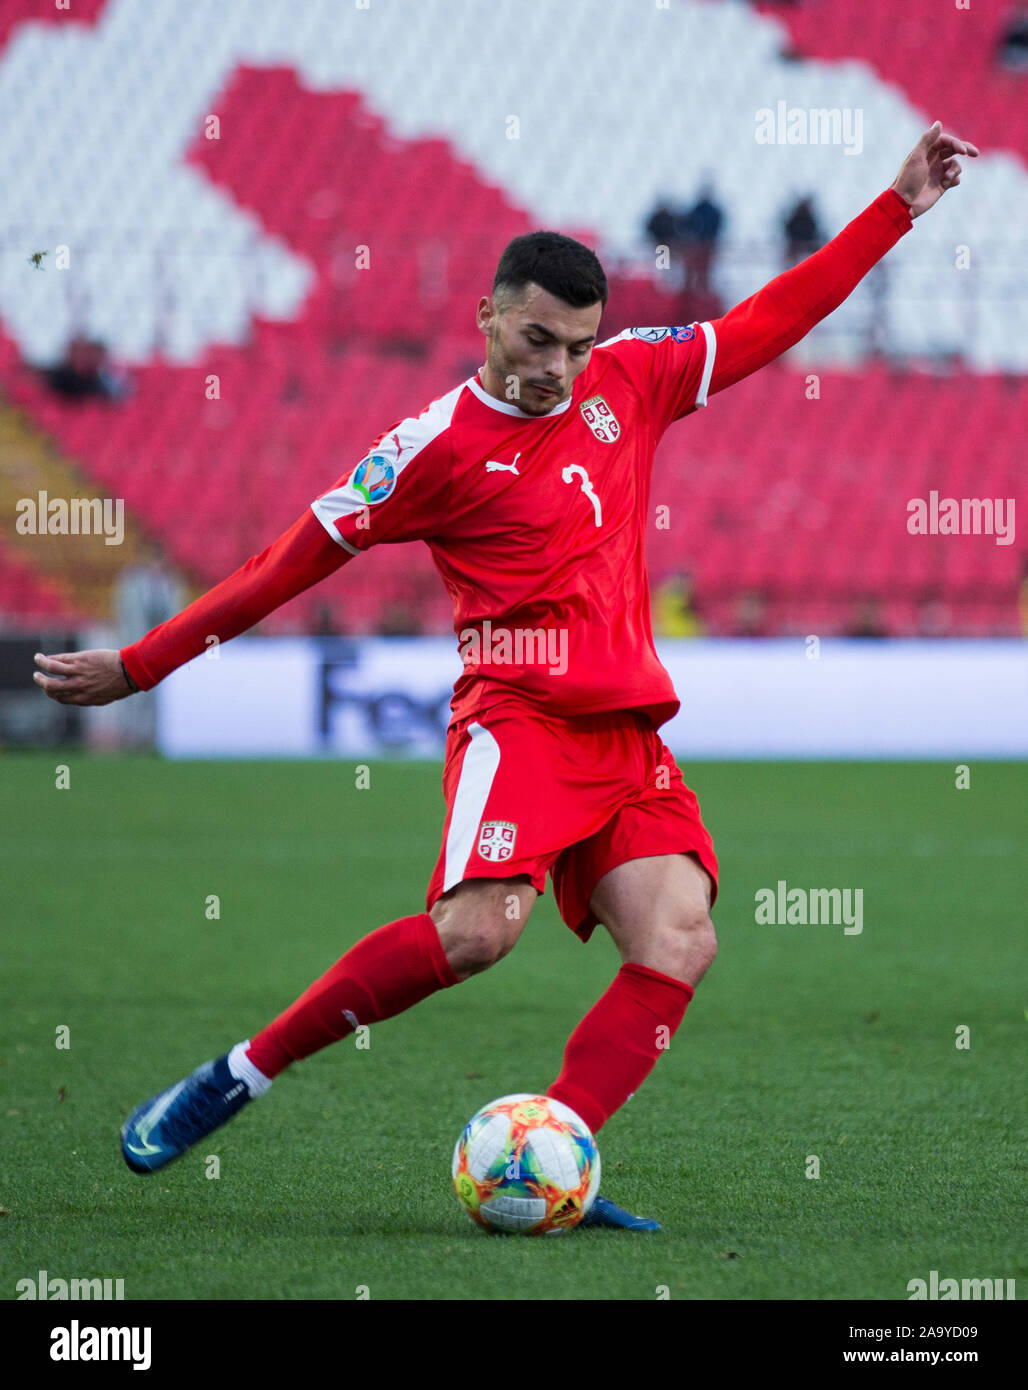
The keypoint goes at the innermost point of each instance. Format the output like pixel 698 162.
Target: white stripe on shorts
pixel 481 759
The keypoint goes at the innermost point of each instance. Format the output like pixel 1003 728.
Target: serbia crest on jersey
pixel 598 415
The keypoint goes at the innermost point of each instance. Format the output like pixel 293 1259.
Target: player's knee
pixel 476 931
pixel 692 943
pixel 483 948
pixel 473 947
pixel 703 937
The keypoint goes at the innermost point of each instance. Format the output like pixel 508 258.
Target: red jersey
pixel 537 523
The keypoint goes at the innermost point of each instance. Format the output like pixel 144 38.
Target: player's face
pixel 537 345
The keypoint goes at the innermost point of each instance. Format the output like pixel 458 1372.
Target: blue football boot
pixel 166 1125
pixel 604 1212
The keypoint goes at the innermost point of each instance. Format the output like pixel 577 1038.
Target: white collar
pixel 508 407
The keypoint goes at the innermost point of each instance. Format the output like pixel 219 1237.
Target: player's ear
pixel 486 313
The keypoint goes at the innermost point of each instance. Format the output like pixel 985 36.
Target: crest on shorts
pixel 598 415
pixel 496 840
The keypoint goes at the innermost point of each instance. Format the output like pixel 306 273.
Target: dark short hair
pixel 557 264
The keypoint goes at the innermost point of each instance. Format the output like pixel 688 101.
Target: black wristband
pixel 128 680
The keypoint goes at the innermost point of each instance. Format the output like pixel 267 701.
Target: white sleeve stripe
pixel 410 437
pixel 708 368
pixel 326 521
pixel 617 338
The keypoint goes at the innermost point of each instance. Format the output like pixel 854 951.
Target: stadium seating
pixel 332 139
pixel 29 600
pixel 975 93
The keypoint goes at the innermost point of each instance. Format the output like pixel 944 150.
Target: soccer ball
pixel 526 1164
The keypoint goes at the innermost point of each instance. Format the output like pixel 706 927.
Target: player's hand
pixel 82 678
pixel 931 167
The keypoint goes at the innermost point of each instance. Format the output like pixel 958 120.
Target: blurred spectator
pixel 933 616
pixel 700 229
pixel 750 617
pixel 663 226
pixel 673 611
pixel 399 619
pixel 325 624
pixel 867 620
pixel 147 593
pixel 691 236
pixel 1012 49
pixel 802 234
pixel 86 371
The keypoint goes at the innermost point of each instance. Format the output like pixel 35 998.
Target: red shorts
pixel 529 793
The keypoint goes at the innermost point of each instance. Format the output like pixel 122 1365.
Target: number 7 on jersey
pixel 568 473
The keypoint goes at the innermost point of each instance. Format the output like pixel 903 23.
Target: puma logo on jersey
pixel 493 467
pixel 400 448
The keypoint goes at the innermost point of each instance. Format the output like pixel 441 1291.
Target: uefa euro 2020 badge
pixel 374 478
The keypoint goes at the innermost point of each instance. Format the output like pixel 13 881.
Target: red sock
pixel 388 971
pixel 613 1050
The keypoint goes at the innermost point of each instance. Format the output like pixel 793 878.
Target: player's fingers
pixel 952 144
pixel 62 663
pixel 59 687
pixel 949 144
pixel 47 682
pixel 930 136
pixel 962 146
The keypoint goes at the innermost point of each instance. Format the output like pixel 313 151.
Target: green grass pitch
pixel 802 1041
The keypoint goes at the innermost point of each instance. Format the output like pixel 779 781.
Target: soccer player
pixel 530 483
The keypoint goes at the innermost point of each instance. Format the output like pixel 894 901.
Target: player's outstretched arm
pixel 302 556
pixel 774 319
